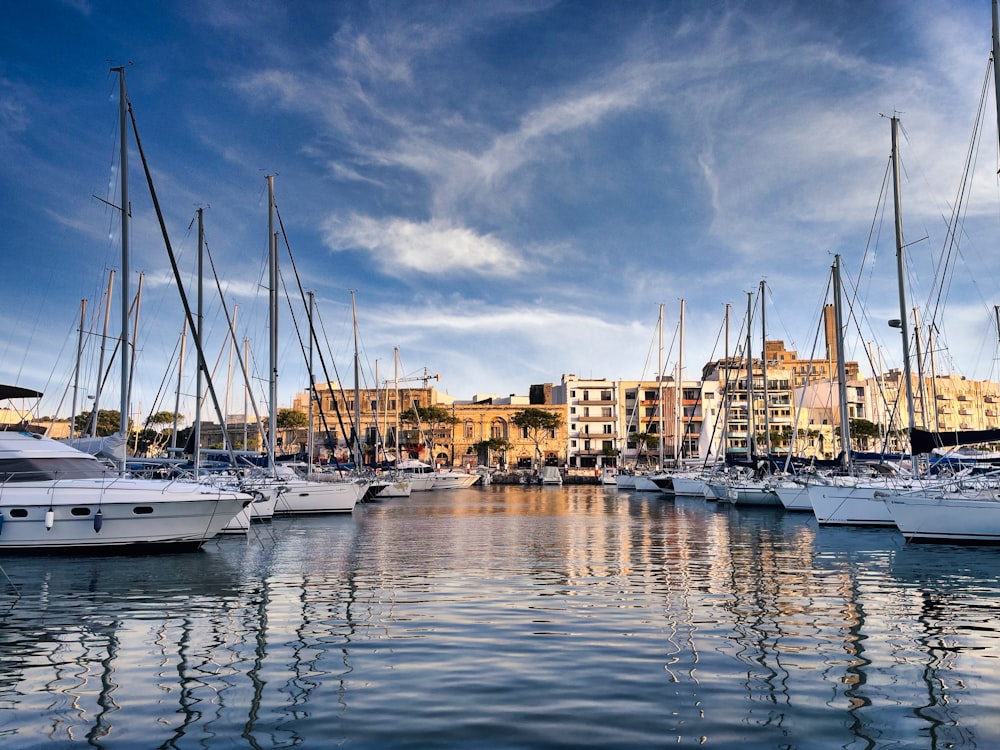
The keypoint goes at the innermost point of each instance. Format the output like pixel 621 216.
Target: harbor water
pixel 510 617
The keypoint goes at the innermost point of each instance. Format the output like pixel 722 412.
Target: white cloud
pixel 400 247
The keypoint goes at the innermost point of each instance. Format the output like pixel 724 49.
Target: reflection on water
pixel 534 617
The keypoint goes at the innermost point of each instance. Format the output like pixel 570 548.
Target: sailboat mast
pixel 845 424
pixel 751 422
pixel 996 62
pixel 726 396
pixel 357 390
pixel 198 321
pixel 180 376
pixel 123 127
pixel 310 435
pixel 659 393
pixel 76 371
pixel 99 388
pixel 763 372
pixel 679 394
pixel 395 395
pixel 272 245
pixel 901 279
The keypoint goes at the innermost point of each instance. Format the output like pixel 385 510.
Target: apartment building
pixel 592 420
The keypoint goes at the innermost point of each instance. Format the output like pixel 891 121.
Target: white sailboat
pixel 964 510
pixel 54 497
pixel 850 500
pixel 297 495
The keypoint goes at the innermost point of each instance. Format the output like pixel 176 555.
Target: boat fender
pixel 1 523
pixel 50 518
pixel 98 520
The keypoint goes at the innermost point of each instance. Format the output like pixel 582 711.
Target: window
pixel 467 429
pixel 607 429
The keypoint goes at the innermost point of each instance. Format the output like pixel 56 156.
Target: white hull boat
pixel 689 485
pixel 847 503
pixel 454 480
pixel 551 475
pixel 56 498
pixel 395 488
pixel 419 474
pixel 261 510
pixel 301 496
pixel 966 515
pixel 645 483
pixel 793 496
pixel 625 481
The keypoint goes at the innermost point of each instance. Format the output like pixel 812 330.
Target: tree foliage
pixel 429 419
pixel 291 419
pixel 162 418
pixel 108 422
pixel 536 423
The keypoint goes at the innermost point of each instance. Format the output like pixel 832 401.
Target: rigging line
pixel 326 374
pixel 875 233
pixel 167 376
pixel 74 328
pixel 176 272
pixel 312 337
pixel 231 334
pixel 852 315
pixel 944 272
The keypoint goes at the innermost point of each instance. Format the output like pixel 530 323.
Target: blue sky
pixel 511 188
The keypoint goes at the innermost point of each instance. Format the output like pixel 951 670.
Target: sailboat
pixel 748 485
pixel 298 495
pixel 55 498
pixel 851 500
pixel 964 509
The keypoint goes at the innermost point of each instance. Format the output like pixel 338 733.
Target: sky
pixel 510 189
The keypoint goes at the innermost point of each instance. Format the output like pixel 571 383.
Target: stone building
pixel 492 417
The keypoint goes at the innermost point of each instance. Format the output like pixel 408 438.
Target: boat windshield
pixel 47 469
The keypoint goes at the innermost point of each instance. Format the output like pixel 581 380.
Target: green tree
pixel 645 441
pixel 430 420
pixel 488 447
pixel 108 422
pixel 291 421
pixel 536 423
pixel 863 432
pixel 161 419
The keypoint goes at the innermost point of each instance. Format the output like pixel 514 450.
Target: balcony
pixel 593 435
